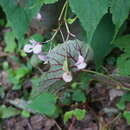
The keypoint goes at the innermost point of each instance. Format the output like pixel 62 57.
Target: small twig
pixel 62 36
pixel 62 11
pixel 54 35
pixel 59 26
pixel 68 31
pixel 40 70
pixel 72 124
pixel 59 128
pixel 112 121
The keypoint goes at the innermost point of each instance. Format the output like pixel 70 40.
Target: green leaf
pixel 34 61
pixel 36 37
pixel 126 115
pixel 48 1
pixel 44 104
pixel 21 72
pixel 123 100
pixel 89 13
pixel 101 42
pixel 22 104
pixel 35 86
pixel 123 64
pixel 66 98
pixel 9 39
pixel 79 96
pixel 6 112
pixel 123 43
pixel 78 113
pixel 25 114
pixel 84 81
pixel 19 15
pixel 120 10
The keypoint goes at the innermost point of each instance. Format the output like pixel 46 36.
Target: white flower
pixel 34 47
pixel 39 16
pixel 80 64
pixel 37 49
pixel 67 76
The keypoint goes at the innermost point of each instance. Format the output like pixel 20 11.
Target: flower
pixel 43 57
pixel 34 47
pixel 80 64
pixel 67 76
pixel 39 16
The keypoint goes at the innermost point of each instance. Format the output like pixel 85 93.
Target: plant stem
pixel 118 84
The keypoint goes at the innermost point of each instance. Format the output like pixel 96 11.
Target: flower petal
pixel 28 48
pixel 37 49
pixel 39 16
pixel 80 63
pixel 43 57
pixel 80 59
pixel 33 42
pixel 67 76
pixel 81 66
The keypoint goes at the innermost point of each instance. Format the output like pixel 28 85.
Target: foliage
pixel 44 104
pixel 123 61
pixel 88 21
pixel 123 100
pixel 101 23
pixel 10 42
pixel 126 115
pixel 78 113
pixel 19 15
pixel 6 112
pixel 78 96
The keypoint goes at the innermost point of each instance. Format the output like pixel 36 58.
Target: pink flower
pixel 34 47
pixel 67 76
pixel 80 64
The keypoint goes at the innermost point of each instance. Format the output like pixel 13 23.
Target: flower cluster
pixel 80 64
pixel 36 48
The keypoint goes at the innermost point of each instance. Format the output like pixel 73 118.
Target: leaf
pixel 6 112
pixel 78 113
pixel 126 115
pixel 9 39
pixel 21 72
pixel 121 103
pixel 66 98
pixel 120 10
pixel 44 104
pixel 89 13
pixel 101 42
pixel 35 87
pixel 22 104
pixel 25 114
pixel 123 64
pixel 123 43
pixel 48 1
pixel 78 96
pixel 19 15
pixel 53 78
